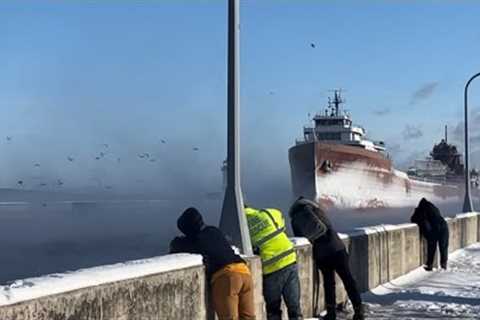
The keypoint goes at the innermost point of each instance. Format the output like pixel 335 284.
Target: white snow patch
pixel 466 215
pixel 343 235
pixel 381 228
pixel 299 241
pixel 454 293
pixel 32 288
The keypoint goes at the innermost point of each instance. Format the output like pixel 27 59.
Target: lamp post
pixel 233 221
pixel 467 204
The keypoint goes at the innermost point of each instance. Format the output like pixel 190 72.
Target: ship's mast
pixel 337 100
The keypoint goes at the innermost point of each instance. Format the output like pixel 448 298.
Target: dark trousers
pixel 338 262
pixel 283 282
pixel 439 238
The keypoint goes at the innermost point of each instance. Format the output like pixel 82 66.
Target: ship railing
pixel 439 180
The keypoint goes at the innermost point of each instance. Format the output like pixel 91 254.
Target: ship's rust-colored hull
pixel 344 175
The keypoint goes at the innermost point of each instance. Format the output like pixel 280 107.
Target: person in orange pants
pixel 229 276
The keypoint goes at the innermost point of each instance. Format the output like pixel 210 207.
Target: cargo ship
pixel 337 165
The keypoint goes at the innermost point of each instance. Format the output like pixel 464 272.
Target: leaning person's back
pixel 212 244
pixel 230 281
pixel 325 245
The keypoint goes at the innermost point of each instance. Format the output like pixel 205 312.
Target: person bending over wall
pixel 434 229
pixel 231 283
pixel 310 221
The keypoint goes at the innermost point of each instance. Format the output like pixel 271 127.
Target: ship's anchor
pixel 326 166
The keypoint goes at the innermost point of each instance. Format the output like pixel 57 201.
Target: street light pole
pixel 467 204
pixel 233 221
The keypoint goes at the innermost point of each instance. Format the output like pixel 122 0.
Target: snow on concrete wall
pixel 174 287
pixel 171 287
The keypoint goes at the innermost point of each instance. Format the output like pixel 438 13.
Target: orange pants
pixel 232 296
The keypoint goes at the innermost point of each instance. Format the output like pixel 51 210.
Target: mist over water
pixel 108 131
pixel 44 237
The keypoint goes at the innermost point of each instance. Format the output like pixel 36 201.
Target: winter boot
pixel 359 312
pixel 428 268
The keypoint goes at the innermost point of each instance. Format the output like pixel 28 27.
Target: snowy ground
pixel 451 294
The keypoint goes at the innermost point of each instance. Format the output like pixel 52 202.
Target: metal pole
pixel 467 204
pixel 233 221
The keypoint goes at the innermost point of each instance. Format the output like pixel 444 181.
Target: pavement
pixel 441 294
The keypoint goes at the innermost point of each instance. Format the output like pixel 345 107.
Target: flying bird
pixel 37 165
pixel 108 187
pixel 97 158
pixel 195 149
pixel 312 45
pixel 163 141
pixel 59 182
pixel 70 159
pixel 118 159
pixel 20 182
pixel 43 184
pixel 9 138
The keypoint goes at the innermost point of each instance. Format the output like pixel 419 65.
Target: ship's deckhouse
pixel 335 126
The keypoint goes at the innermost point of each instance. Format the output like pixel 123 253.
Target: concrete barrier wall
pixel 178 294
pixel 377 255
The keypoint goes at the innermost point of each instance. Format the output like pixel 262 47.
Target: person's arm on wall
pixel 182 245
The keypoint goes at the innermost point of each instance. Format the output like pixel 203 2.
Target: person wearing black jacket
pixel 229 276
pixel 330 256
pixel 434 229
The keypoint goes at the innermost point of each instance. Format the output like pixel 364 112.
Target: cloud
pixel 457 136
pixel 381 112
pixel 424 92
pixel 412 132
pixel 474 128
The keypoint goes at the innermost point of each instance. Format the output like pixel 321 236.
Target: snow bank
pixel 453 294
pixel 27 289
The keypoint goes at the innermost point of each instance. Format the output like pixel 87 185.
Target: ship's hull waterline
pixel 350 176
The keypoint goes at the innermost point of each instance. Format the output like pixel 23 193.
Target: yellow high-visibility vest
pixel 267 232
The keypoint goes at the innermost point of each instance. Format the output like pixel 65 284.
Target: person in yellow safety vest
pixel 280 273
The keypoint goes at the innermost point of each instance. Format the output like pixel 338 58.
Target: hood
pixel 190 222
pixel 299 204
pixel 423 203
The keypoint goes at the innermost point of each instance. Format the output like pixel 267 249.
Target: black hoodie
pixel 327 244
pixel 428 218
pixel 208 241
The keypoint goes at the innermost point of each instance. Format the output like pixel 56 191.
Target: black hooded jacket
pixel 208 241
pixel 428 218
pixel 327 244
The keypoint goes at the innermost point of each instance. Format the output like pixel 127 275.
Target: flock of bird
pixel 102 154
pixel 144 156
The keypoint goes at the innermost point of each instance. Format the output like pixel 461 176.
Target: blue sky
pixel 78 74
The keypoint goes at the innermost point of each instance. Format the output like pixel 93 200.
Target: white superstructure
pixel 336 127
